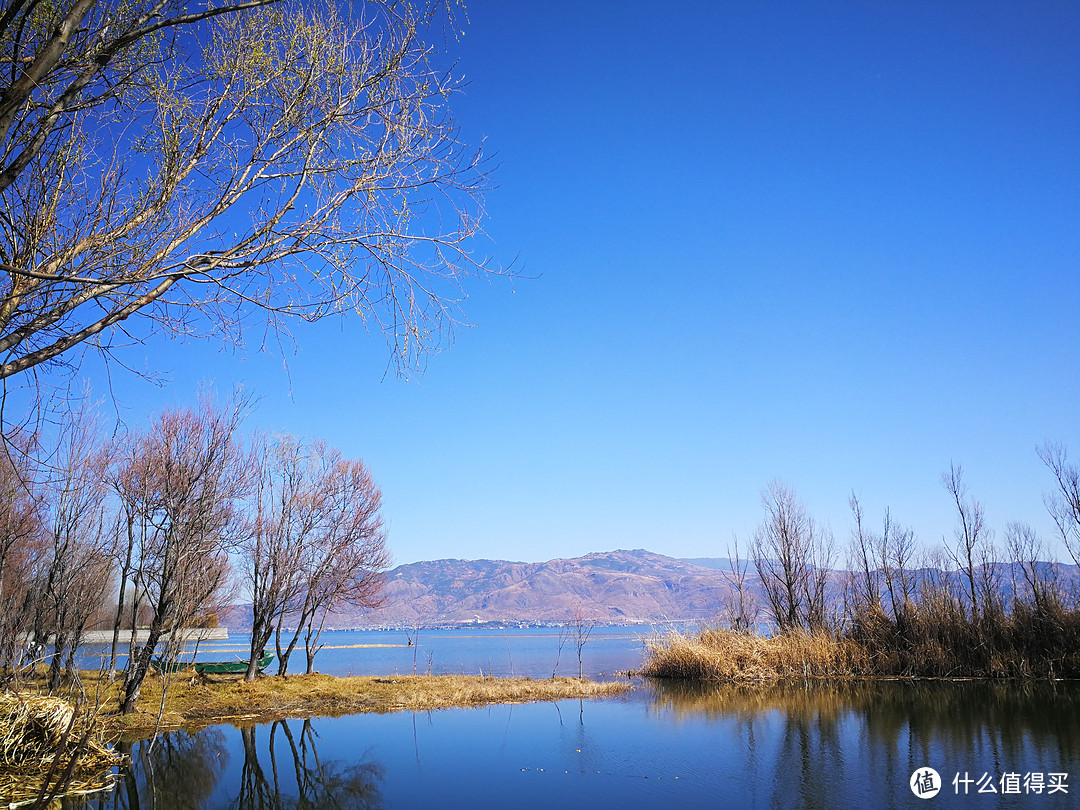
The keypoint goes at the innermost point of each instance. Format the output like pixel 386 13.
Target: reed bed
pixel 938 638
pixel 39 738
pixel 933 640
pixel 718 654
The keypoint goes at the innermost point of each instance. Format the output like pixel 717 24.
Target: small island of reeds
pixel 933 639
pixel 962 611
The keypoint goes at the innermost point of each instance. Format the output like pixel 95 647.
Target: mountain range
pixel 616 586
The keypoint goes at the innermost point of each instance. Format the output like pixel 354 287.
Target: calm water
pixel 667 745
pixel 532 652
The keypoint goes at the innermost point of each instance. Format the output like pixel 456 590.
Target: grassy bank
pixel 34 726
pixel 193 705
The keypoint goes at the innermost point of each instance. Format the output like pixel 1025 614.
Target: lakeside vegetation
pixel 50 745
pixel 1002 647
pixel 720 654
pixel 970 609
pixel 189 703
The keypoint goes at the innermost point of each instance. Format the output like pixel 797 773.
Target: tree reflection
pixel 313 784
pixel 178 771
pixel 1016 726
pixel 282 770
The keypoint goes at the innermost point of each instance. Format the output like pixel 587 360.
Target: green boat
pixel 231 667
pixel 212 667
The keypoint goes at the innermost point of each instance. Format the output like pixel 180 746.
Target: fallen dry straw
pixel 39 737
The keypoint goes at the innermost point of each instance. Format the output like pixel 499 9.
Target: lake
pixel 532 652
pixel 664 744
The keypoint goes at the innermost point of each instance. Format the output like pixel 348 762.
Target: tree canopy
pixel 200 166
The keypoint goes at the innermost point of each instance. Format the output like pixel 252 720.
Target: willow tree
pixel 188 167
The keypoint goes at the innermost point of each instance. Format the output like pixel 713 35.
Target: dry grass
pixel 32 726
pixel 939 638
pixel 717 654
pixel 39 736
pixel 193 705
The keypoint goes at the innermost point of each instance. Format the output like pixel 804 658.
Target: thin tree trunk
pixel 311 645
pixel 124 571
pixel 139 666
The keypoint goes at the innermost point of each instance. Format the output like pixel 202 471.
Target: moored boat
pixel 231 667
pixel 237 667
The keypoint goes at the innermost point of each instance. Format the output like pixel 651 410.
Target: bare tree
pixel 785 553
pixel 865 584
pixel 78 569
pixel 22 544
pixel 896 548
pixel 342 559
pixel 197 166
pixel 741 605
pixel 288 511
pixel 577 630
pixel 821 609
pixel 130 479
pixel 970 548
pixel 186 519
pixel 1064 503
pixel 1028 553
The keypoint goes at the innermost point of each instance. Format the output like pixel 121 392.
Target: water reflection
pixel 312 782
pixel 808 745
pixel 1010 716
pixel 280 769
pixel 177 770
pixel 810 739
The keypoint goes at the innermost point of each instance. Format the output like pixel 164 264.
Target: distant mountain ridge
pixel 616 586
pixel 623 586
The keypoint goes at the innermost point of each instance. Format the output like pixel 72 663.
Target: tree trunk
pixel 311 642
pixel 124 571
pixel 260 634
pixel 116 629
pixel 139 666
pixel 55 664
pixel 305 616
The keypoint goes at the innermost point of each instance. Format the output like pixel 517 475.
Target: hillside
pixel 616 586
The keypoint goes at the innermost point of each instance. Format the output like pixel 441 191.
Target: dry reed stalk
pixel 717 654
pixel 39 732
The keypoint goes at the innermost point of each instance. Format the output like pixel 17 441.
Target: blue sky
pixel 831 243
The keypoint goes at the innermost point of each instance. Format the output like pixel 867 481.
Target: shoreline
pixel 193 704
